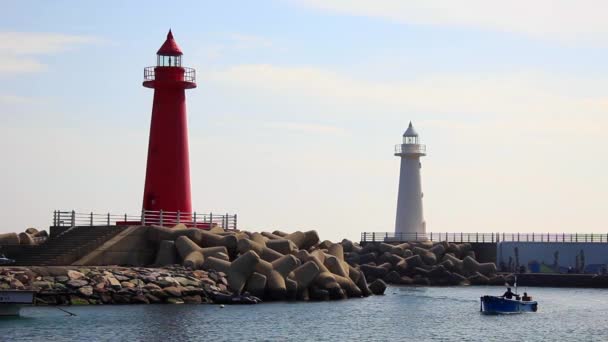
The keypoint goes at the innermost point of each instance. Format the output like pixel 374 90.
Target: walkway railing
pixel 484 237
pixel 146 217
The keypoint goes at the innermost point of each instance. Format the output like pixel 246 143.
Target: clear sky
pixel 300 103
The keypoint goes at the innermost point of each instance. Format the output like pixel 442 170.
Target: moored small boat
pixel 11 301
pixel 500 305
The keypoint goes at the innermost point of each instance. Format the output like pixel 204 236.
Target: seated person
pixel 508 294
pixel 526 298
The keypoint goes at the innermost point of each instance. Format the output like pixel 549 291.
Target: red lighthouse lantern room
pixel 167 185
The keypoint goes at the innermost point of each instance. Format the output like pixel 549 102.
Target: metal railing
pixel 410 148
pixel 484 237
pixel 146 217
pixel 189 74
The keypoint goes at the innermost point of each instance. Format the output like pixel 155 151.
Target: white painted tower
pixel 410 221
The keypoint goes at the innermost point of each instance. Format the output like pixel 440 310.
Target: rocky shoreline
pixel 58 285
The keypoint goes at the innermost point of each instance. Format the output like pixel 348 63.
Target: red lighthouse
pixel 167 185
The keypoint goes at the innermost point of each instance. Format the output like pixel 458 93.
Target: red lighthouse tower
pixel 167 185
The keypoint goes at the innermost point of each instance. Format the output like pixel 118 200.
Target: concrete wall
pixel 129 247
pixel 484 252
pixel 540 256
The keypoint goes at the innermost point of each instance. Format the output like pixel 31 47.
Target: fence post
pixel 194 218
pixel 476 237
pixel 178 216
pixel 416 236
pixel 73 218
pixel 54 218
pixel 125 217
pixel 108 219
pixel 460 237
pixel 161 218
pixel 226 218
pixel 235 222
pixel 575 237
pixel 143 217
pixel 431 236
pixel 210 220
pixel 374 237
pixel 91 219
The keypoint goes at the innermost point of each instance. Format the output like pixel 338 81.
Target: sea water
pixel 403 313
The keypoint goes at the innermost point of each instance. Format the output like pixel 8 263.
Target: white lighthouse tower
pixel 410 224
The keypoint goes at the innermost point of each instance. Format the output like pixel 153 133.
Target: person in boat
pixel 526 298
pixel 508 294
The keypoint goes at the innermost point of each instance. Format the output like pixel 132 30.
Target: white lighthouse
pixel 410 224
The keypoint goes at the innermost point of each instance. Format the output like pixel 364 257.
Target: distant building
pixel 410 224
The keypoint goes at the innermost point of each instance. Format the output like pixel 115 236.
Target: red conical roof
pixel 169 47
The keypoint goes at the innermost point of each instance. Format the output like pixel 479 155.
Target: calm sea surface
pixel 404 313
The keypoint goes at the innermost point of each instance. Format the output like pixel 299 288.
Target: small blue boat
pixel 499 305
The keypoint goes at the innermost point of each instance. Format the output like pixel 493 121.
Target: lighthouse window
pixel 410 140
pixel 169 61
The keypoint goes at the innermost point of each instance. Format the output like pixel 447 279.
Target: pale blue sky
pixel 299 104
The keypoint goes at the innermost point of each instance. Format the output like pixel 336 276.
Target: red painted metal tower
pixel 167 185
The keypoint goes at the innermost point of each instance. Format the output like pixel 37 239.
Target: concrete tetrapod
pixel 334 265
pixel 193 255
pixel 275 283
pixel 455 261
pixel 240 270
pixel 470 266
pixel 199 236
pixel 428 257
pixel 167 253
pixel 292 289
pixel 282 246
pixel 285 264
pixel 305 274
pixel 264 252
pixel 26 239
pixel 9 239
pixel 256 284
pixel 259 238
pixel 377 287
pixel 216 264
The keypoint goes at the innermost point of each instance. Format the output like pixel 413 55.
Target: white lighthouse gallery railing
pixel 71 218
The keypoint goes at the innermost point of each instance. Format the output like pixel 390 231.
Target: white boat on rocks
pixel 11 301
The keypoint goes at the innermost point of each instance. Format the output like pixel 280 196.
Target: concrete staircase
pixel 65 248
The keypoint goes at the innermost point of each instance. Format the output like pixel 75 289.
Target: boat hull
pixel 499 305
pixel 11 301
